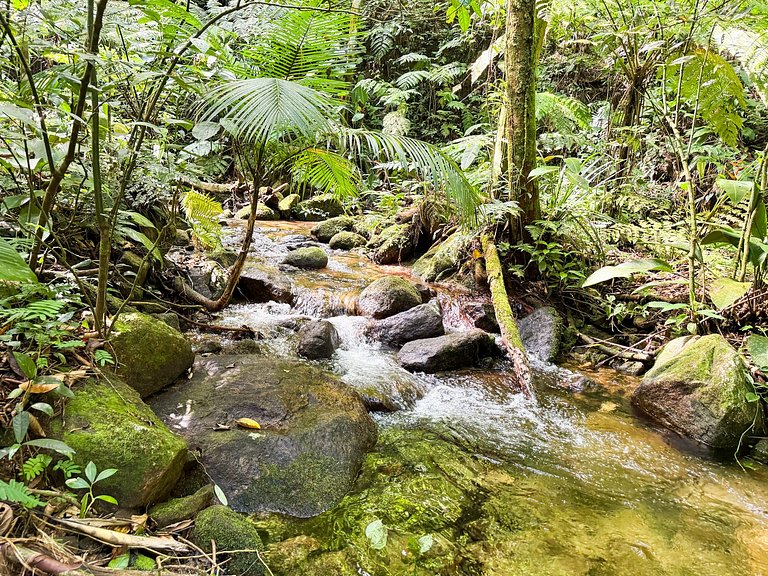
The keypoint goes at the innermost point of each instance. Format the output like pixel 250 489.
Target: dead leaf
pixel 249 423
pixel 221 427
pixel 33 388
pixel 6 518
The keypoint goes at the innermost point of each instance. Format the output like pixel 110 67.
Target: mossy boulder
pixel 542 333
pixel 184 508
pixel 346 241
pixel 314 432
pixel 327 229
pixel 320 207
pixel 244 213
pixel 308 258
pixel 263 212
pixel 393 244
pixel 107 423
pixel 230 531
pixel 387 296
pixel 442 259
pixel 699 388
pixel 149 354
pixel 288 204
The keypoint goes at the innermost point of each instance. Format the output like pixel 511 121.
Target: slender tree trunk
pixel 521 110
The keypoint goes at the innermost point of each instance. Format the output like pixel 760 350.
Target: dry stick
pixel 509 332
pixel 616 350
pixel 218 328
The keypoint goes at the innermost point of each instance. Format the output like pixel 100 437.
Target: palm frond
pixel 327 171
pixel 257 108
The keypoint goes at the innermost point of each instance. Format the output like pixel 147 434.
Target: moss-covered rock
pixel 314 431
pixel 150 354
pixel 393 244
pixel 263 212
pixel 178 509
pixel 309 258
pixel 387 296
pixel 319 207
pixel 230 531
pixel 244 213
pixel 287 205
pixel 107 423
pixel 442 259
pixel 346 241
pixel 698 387
pixel 542 333
pixel 327 229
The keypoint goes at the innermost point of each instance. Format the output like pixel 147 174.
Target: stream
pixel 567 482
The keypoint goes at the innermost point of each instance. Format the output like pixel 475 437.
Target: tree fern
pixel 202 212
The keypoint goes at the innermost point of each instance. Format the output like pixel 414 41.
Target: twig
pixel 617 350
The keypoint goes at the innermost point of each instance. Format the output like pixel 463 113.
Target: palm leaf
pixel 327 171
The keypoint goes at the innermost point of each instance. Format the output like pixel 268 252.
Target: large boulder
pixel 346 241
pixel 393 244
pixel 449 352
pixel 698 387
pixel 314 432
pixel 259 283
pixel 263 212
pixel 442 259
pixel 288 204
pixel 423 321
pixel 387 296
pixel 309 258
pixel 149 354
pixel 230 531
pixel 542 333
pixel 320 207
pixel 317 339
pixel 327 229
pixel 108 424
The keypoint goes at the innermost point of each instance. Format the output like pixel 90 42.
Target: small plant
pixel 68 468
pixel 13 491
pixel 92 477
pixel 34 467
pixel 102 358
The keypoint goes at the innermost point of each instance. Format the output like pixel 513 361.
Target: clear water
pixel 607 494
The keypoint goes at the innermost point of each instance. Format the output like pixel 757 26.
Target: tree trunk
pixel 521 110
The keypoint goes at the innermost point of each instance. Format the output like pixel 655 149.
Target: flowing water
pixel 593 490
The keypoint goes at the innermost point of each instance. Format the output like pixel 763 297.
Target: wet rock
pixel 320 207
pixel 442 259
pixel 288 204
pixel 244 346
pixel 207 278
pixel 423 321
pixel 387 296
pixel 263 212
pixel 481 315
pixel 181 237
pixel 224 257
pixel 295 241
pixel 107 423
pixel 542 333
pixel 449 352
pixel 178 509
pixel 170 318
pixel 346 241
pixel 260 283
pixel 149 354
pixel 230 531
pixel 208 346
pixel 327 229
pixel 629 367
pixel 394 244
pixel 314 431
pixel 317 339
pixel 310 258
pixel 698 387
pixel 760 451
pixel 244 212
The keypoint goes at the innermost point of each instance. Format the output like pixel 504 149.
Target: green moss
pixel 107 423
pixel 142 562
pixel 179 509
pixel 346 241
pixel 287 204
pixel 327 229
pixel 442 259
pixel 311 258
pixel 230 531
pixel 393 244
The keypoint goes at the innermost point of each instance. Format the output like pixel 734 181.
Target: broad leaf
pixel 724 291
pixel 26 364
pixel 736 190
pixel 12 266
pixel 625 270
pixel 20 425
pixel 758 349
pixel 377 533
pixel 50 444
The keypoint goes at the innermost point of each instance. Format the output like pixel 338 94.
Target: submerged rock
pixel 423 321
pixel 309 258
pixel 387 296
pixel 481 315
pixel 324 231
pixel 314 432
pixel 150 355
pixel 698 387
pixel 449 352
pixel 317 339
pixel 346 241
pixel 230 531
pixel 319 207
pixel 108 424
pixel 259 283
pixel 542 333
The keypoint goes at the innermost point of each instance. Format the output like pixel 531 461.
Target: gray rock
pixel 310 258
pixel 314 432
pixel 441 260
pixel 346 241
pixel 481 315
pixel 317 339
pixel 449 352
pixel 542 333
pixel 387 296
pixel 698 388
pixel 264 284
pixel 760 451
pixel 327 229
pixel 423 321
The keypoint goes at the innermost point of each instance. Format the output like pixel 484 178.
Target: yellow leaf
pixel 248 423
pixel 38 388
pixel 476 254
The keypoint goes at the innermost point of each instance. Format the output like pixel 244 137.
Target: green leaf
pixel 77 483
pixel 542 170
pixel 120 562
pixel 90 472
pixel 13 268
pixel 724 291
pixel 206 130
pixel 377 533
pixel 50 444
pixel 736 190
pixel 220 494
pixel 26 364
pixel 625 270
pixel 106 498
pixel 104 474
pixel 759 223
pixel 20 425
pixel 13 491
pixel 43 407
pixel 758 349
pixel 425 543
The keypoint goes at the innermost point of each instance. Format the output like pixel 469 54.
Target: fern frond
pixel 411 58
pixel 327 171
pixel 447 74
pixel 411 79
pixel 562 112
pixel 202 212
